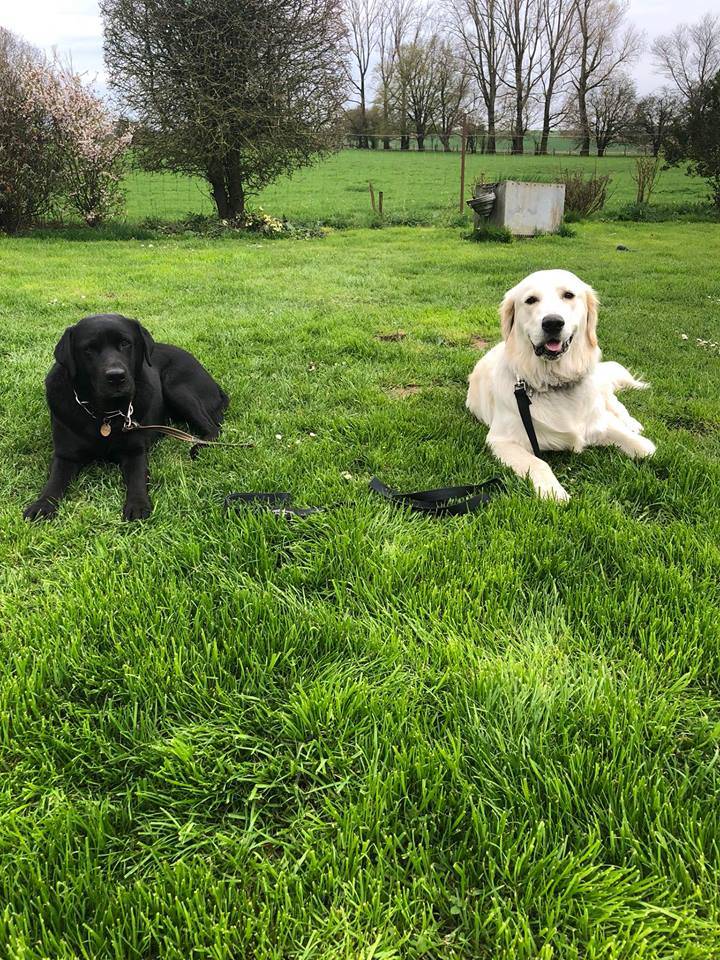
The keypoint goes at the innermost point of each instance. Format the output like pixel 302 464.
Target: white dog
pixel 549 323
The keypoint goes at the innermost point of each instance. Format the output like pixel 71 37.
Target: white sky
pixel 74 28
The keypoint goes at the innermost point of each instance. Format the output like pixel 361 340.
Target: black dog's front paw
pixel 137 509
pixel 40 510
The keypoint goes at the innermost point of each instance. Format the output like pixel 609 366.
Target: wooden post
pixel 380 202
pixel 463 139
pixel 372 196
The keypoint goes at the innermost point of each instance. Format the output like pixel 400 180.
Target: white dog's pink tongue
pixel 554 346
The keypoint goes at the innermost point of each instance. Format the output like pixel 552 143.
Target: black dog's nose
pixel 115 375
pixel 552 324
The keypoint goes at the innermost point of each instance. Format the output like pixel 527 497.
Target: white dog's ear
pixel 591 299
pixel 507 314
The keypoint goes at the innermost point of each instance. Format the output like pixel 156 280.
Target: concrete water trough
pixel 524 208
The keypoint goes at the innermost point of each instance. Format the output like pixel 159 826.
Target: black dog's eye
pixel 531 300
pixel 569 295
pixel 124 345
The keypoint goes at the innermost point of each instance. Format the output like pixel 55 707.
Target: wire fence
pixel 566 144
pixel 343 189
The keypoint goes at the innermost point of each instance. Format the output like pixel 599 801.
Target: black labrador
pixel 108 368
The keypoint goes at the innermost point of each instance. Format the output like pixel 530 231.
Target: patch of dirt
pixel 479 343
pixel 391 337
pixel 399 393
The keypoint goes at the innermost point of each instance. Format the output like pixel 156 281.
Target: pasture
pixel 418 187
pixel 364 734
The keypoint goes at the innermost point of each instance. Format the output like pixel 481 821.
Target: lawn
pixel 416 186
pixel 365 734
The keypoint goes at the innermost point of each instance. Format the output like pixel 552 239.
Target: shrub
pixel 647 171
pixel 59 148
pixel 93 148
pixel 584 195
pixel 489 233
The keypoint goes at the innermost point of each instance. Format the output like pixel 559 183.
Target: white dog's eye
pixel 569 295
pixel 531 300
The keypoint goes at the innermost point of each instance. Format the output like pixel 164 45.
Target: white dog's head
pixel 549 323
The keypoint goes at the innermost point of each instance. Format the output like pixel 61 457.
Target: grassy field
pixel 420 187
pixel 366 734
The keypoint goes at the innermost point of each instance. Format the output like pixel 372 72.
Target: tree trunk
pixel 363 144
pixel 584 124
pixel 219 191
pixel 421 141
pixel 445 141
pixel 236 194
pixel 386 143
pixel 404 141
pixel 225 180
pixel 545 136
pixel 600 150
pixel 490 141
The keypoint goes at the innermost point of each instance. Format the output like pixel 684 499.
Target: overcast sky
pixel 74 28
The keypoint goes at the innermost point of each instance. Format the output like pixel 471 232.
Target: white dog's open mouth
pixel 552 349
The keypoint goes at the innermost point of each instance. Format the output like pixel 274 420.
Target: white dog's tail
pixel 618 378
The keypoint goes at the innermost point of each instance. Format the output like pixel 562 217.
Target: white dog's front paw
pixel 642 447
pixel 549 487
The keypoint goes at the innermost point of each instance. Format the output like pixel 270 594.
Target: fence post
pixel 463 138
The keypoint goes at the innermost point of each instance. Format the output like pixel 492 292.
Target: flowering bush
pixel 59 148
pixel 93 150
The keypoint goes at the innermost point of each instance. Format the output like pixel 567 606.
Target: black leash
pixel 442 502
pixel 523 403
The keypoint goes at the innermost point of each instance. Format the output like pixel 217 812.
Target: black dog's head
pixel 104 355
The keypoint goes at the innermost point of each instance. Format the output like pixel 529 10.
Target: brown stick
pixel 372 196
pixel 380 202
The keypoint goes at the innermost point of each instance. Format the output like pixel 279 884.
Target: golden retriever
pixel 549 324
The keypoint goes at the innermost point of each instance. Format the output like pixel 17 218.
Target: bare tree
pixel 476 23
pixel 451 90
pixel 235 91
pixel 397 19
pixel 362 17
pixel 690 54
pixel 416 85
pixel 520 22
pixel 611 106
pixel 653 116
pixel 604 45
pixel 559 55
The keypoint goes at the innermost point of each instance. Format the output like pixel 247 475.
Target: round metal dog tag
pixel 105 429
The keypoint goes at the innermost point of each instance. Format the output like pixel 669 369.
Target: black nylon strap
pixel 444 501
pixel 523 402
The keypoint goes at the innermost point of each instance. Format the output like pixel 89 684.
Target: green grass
pixel 364 734
pixel 418 188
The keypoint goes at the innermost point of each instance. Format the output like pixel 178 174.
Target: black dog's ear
pixel 146 341
pixel 65 354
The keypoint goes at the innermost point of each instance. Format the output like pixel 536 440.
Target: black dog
pixel 107 369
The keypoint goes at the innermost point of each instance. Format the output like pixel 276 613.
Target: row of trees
pixel 59 146
pixel 241 91
pixel 517 65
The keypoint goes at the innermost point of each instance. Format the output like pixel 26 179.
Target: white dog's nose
pixel 552 324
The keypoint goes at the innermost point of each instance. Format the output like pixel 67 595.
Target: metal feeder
pixel 482 204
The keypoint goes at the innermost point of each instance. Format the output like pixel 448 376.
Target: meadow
pixel 366 734
pixel 418 188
